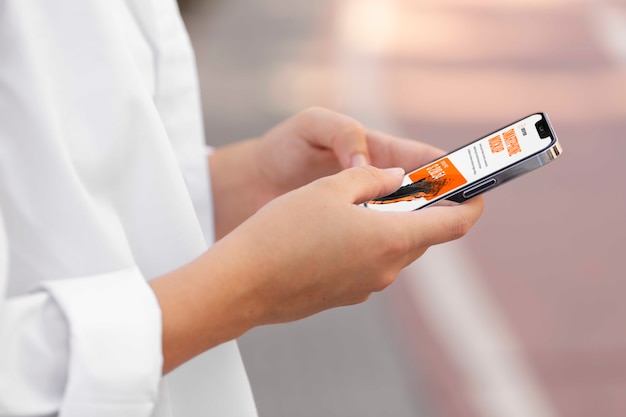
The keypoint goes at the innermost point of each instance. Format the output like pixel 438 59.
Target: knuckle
pixel 350 132
pixel 460 226
pixel 352 127
pixel 375 173
pixel 364 174
pixel 397 247
pixel 355 299
pixel 314 113
pixel 385 281
pixel 362 298
pixel 344 124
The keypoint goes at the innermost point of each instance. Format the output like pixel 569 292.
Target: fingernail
pixel 398 172
pixel 359 160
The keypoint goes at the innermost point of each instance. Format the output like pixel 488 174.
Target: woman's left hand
pixel 312 144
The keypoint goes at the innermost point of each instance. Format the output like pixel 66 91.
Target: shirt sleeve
pixel 88 346
pixel 79 347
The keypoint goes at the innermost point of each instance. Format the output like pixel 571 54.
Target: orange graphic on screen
pixel 511 142
pixel 495 144
pixel 429 182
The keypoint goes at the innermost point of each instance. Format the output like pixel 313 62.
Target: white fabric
pixel 103 185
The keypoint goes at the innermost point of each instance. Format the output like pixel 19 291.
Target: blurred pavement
pixel 524 315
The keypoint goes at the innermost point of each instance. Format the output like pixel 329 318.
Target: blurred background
pixel 524 316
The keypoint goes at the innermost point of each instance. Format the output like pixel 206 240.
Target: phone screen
pixel 465 166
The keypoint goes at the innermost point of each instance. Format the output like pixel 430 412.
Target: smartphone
pixel 479 166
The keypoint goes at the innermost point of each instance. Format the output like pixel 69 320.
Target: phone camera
pixel 542 128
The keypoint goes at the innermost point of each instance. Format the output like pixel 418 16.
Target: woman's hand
pixel 307 251
pixel 315 248
pixel 313 144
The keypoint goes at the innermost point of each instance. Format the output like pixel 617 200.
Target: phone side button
pixel 483 186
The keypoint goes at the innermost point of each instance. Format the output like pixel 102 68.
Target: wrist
pixel 235 184
pixel 203 304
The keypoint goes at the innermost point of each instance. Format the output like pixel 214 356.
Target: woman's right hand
pixel 307 251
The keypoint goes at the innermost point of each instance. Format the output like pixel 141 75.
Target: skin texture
pixel 292 239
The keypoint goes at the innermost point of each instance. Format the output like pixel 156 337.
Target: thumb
pixel 361 184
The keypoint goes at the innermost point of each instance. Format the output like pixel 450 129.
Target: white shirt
pixel 103 185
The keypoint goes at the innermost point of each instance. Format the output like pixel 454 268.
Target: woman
pixel 109 208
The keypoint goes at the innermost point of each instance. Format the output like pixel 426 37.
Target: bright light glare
pixel 368 26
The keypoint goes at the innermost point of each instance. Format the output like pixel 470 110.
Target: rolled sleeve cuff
pixel 115 360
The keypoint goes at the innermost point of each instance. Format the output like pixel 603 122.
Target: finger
pixel 326 129
pixel 361 184
pixel 390 151
pixel 439 224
